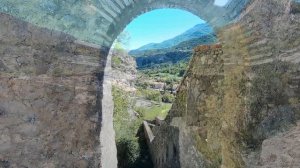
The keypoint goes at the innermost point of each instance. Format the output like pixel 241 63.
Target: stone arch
pixel 100 22
pixel 137 8
pixel 201 8
pixel 132 9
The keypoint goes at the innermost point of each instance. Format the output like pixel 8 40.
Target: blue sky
pixel 161 24
pixel 221 2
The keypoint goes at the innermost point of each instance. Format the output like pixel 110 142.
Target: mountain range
pixel 196 32
pixel 173 50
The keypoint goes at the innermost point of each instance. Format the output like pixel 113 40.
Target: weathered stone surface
pixel 282 150
pixel 49 114
pixel 227 107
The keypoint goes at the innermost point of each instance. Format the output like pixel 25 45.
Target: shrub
pixel 152 95
pixel 168 98
pixel 128 151
pixel 126 128
pixel 142 85
pixel 116 61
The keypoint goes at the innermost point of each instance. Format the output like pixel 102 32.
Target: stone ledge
pixel 148 132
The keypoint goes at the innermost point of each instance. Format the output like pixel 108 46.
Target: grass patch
pixel 154 111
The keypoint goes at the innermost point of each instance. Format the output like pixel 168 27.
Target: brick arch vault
pixel 51 75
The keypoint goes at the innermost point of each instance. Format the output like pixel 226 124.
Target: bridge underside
pixel 51 82
pixel 100 22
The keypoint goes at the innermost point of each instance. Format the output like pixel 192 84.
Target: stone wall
pixel 50 113
pixel 174 145
pixel 163 147
pixel 227 106
pixel 261 86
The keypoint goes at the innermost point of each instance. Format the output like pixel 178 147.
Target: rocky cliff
pixel 123 70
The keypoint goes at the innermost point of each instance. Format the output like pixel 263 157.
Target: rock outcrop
pixel 123 71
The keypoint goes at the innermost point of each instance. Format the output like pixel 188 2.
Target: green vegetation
pixel 155 95
pixel 126 129
pixel 168 98
pixel 166 70
pixel 160 110
pixel 149 94
pixel 159 60
pixel 116 61
pixel 170 75
pixel 131 147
